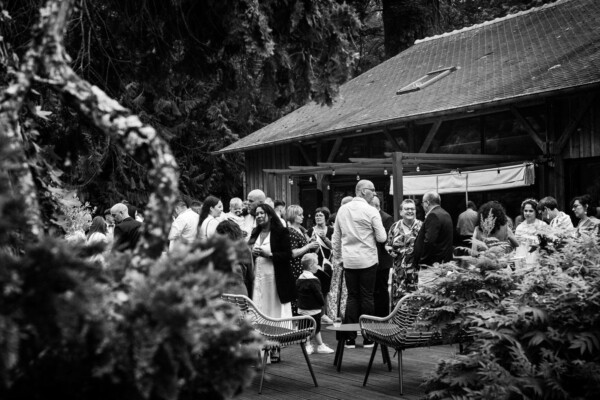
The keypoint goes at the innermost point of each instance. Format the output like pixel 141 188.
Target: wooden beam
pixel 529 129
pixel 398 182
pixel 443 156
pixel 392 139
pixel 564 137
pixel 334 149
pixel 430 135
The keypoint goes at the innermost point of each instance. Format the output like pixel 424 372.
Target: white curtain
pixel 469 181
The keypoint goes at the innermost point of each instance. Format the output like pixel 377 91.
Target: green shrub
pixel 537 329
pixel 72 330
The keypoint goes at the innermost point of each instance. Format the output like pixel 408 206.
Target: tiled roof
pixel 536 52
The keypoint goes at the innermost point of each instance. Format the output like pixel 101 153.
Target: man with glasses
pixel 434 242
pixel 127 231
pixel 357 230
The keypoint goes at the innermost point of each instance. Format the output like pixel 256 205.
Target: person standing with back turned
pixel 434 242
pixel 357 230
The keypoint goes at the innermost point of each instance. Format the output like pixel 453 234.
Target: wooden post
pixel 398 183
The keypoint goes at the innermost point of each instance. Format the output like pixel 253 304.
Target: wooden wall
pixel 585 141
pixel 274 186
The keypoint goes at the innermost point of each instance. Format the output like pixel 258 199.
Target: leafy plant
pixel 536 330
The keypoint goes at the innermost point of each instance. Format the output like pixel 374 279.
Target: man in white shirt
pixel 357 229
pixel 556 219
pixel 185 226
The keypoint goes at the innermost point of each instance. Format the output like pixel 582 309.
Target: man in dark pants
pixel 357 229
pixel 127 230
pixel 434 242
pixel 385 261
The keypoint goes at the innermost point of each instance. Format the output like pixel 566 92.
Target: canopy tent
pixel 469 181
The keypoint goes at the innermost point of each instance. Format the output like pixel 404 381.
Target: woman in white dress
pixel 209 217
pixel 526 233
pixel 274 285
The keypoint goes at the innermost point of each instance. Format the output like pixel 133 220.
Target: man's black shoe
pixel 350 344
pixel 367 344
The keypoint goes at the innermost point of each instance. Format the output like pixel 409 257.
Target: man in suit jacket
pixel 381 296
pixel 434 242
pixel 127 231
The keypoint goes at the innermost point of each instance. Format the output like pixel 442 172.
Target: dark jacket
pixel 282 254
pixel 384 259
pixel 325 280
pixel 127 234
pixel 310 296
pixel 434 242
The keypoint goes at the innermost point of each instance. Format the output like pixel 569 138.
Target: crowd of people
pixel 344 264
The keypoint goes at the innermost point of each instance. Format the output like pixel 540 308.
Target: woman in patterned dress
pixel 299 243
pixel 400 245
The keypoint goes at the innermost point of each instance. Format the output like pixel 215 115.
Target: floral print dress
pixel 297 240
pixel 400 245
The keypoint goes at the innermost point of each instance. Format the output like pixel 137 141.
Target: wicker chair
pixel 398 331
pixel 278 332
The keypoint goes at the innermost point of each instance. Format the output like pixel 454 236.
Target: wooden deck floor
pixel 290 379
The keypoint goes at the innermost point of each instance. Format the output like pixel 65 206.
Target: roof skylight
pixel 427 80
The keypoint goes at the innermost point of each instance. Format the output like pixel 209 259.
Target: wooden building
pixel 525 87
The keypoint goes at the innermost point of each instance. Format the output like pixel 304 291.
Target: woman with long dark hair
pixel 274 285
pixel 209 214
pixel 492 229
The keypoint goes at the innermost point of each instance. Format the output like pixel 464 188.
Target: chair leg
pixel 371 363
pixel 312 373
pixel 400 376
pixel 264 366
pixel 386 357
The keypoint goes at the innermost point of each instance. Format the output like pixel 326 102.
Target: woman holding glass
pixel 526 233
pixel 274 284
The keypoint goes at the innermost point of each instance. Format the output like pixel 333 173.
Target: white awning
pixel 469 181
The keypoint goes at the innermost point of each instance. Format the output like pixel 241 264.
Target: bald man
pixel 358 229
pixel 255 197
pixel 127 231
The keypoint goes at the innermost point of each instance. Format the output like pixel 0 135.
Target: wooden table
pixel 341 336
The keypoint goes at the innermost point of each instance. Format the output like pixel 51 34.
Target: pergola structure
pixel 399 165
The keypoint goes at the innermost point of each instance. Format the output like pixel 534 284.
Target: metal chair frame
pixel 399 331
pixel 278 332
